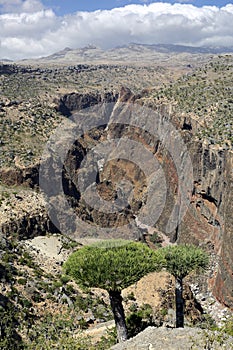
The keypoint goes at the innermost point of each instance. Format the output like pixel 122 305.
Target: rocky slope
pixel 174 339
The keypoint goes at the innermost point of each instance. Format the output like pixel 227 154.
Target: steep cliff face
pixel 223 284
pixel 208 219
pixel 76 101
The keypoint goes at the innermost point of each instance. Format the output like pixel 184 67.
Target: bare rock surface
pixel 50 247
pixel 176 339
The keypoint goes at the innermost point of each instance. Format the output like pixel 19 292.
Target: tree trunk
pixel 179 303
pixel 119 315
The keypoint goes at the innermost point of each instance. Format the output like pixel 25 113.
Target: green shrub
pixel 139 319
pixel 22 281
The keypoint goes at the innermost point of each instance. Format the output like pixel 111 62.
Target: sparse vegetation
pixel 206 97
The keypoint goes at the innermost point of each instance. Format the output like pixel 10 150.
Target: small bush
pixel 138 320
pixel 22 281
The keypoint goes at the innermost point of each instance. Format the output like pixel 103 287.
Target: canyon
pixel 92 158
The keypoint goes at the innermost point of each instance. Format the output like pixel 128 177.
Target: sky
pixel 36 28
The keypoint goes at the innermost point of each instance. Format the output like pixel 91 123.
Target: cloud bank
pixel 27 29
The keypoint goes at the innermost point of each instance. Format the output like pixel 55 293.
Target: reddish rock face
pixel 209 219
pixel 223 284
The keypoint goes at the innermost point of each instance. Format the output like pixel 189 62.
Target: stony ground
pixel 176 339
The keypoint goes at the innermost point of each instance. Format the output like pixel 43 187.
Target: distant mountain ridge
pixel 132 52
pixel 166 48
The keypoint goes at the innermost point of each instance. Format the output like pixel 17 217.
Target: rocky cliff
pixel 208 218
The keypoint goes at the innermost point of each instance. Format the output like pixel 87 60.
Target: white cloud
pixel 32 31
pixel 18 6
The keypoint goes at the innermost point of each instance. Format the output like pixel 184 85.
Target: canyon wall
pixel 208 220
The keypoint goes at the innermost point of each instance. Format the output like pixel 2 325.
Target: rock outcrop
pixel 173 339
pixel 28 176
pixel 23 215
pixel 76 101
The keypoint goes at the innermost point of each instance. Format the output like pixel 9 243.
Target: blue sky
pixel 62 7
pixel 35 28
